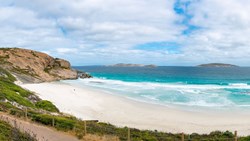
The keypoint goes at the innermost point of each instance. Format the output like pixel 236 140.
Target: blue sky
pixel 101 32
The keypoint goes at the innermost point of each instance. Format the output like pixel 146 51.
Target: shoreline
pixel 89 103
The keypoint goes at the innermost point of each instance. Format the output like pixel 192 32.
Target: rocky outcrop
pixel 31 66
pixel 83 75
pixel 61 63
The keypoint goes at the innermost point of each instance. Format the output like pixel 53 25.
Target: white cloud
pixel 66 50
pixel 101 31
pixel 224 31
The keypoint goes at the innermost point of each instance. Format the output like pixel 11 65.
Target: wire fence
pixel 132 134
pixel 18 126
pixel 85 127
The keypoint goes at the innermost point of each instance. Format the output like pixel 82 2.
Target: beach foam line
pixel 94 81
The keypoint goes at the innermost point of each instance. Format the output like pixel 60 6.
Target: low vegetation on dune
pixel 46 105
pixel 24 104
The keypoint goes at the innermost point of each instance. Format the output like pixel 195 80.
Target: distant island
pixel 217 65
pixel 132 65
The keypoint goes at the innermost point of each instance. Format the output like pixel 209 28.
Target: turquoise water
pixel 186 86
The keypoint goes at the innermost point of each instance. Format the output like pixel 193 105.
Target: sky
pixel 103 32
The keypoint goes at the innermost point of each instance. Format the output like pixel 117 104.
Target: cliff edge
pixel 34 67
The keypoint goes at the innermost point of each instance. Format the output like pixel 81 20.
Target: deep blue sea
pixel 185 86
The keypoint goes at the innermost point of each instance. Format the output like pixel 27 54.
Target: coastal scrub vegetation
pixel 9 133
pixel 10 92
pixel 76 126
pixel 16 101
pixel 46 105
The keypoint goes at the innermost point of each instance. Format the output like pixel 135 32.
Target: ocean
pixel 211 87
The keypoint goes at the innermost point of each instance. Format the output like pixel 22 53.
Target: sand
pixel 92 104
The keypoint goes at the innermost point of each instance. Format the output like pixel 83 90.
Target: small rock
pixel 84 75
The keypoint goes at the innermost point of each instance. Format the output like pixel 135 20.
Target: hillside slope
pixel 32 66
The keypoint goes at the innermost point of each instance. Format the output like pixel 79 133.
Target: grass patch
pixel 14 93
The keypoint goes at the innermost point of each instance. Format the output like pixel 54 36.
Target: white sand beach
pixel 88 103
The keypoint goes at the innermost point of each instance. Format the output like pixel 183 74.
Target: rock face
pixel 61 63
pixel 217 65
pixel 33 67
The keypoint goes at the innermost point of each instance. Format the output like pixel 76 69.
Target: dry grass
pixel 91 137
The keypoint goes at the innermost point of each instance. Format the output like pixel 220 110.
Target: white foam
pixel 174 93
pixel 204 103
pixel 164 85
pixel 150 97
pixel 238 84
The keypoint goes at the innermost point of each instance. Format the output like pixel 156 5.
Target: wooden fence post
pixel 53 121
pixel 85 128
pixel 182 136
pixel 235 136
pixel 129 134
pixel 26 113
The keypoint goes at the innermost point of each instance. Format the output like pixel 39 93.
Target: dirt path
pixel 42 133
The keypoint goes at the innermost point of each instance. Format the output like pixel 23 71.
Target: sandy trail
pixel 42 133
pixel 87 103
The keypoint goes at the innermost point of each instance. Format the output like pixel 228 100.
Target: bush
pixel 42 118
pixel 61 123
pixel 244 138
pixel 17 112
pixel 46 105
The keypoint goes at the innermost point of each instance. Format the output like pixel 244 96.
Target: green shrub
pixel 61 123
pixel 42 118
pixel 46 105
pixel 65 124
pixel 17 112
pixel 244 138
